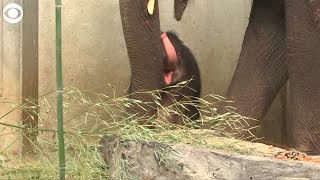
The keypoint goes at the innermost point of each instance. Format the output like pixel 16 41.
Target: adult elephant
pixel 282 42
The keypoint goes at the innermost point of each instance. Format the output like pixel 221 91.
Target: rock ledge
pixel 156 161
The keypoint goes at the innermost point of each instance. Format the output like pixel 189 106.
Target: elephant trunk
pixel 142 36
pixel 179 7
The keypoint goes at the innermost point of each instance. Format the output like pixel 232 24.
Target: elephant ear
pixel 179 7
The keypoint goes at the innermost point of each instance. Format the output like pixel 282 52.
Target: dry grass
pixel 89 116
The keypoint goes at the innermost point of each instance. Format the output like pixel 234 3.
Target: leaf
pixel 151 6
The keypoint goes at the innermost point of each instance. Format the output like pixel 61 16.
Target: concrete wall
pixel 214 31
pixel 94 48
pixel 10 58
pixel 94 51
pixel 1 55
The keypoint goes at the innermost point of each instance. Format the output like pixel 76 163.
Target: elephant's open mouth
pixel 171 59
pixel 169 69
pixel 167 76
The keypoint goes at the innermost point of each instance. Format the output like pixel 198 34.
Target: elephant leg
pixel 303 52
pixel 142 36
pixel 262 69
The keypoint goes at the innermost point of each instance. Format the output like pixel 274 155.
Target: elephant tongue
pixel 168 77
pixel 168 47
pixel 171 56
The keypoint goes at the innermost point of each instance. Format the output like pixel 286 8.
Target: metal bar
pixel 59 91
pixel 29 73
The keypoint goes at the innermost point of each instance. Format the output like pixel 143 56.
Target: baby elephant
pixel 180 65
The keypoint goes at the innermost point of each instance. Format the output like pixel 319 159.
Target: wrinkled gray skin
pixel 142 36
pixel 281 43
